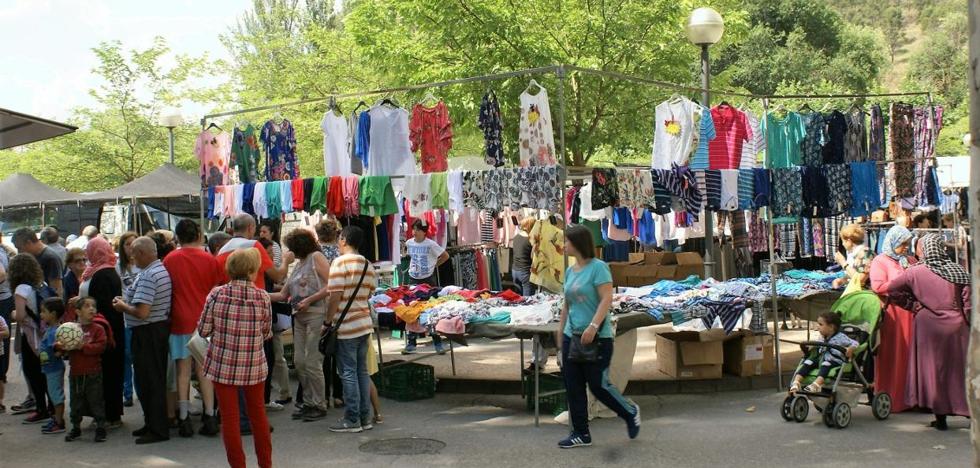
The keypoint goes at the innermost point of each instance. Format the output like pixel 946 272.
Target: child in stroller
pixel 828 323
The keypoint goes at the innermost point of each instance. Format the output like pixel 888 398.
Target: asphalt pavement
pixel 721 429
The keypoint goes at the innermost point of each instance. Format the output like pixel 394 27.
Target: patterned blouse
pixel 231 313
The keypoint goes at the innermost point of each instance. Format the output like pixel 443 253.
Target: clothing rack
pixel 561 71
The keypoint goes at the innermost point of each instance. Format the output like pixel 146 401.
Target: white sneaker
pixel 273 406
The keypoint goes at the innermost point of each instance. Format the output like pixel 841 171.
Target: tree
pixel 893 28
pixel 802 42
pixel 118 139
pixel 428 40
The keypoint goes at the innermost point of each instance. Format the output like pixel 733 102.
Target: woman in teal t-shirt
pixel 585 318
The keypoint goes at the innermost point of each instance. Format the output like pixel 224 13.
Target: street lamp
pixel 171 121
pixel 704 28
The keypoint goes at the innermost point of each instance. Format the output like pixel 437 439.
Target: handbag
pixel 328 339
pixel 583 353
pixel 198 347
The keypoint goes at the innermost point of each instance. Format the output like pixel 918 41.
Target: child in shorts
pixel 85 377
pixel 52 363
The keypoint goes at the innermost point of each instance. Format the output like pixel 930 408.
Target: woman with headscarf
pixel 101 282
pixel 937 291
pixel 892 360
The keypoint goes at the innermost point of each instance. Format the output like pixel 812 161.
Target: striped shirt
pixel 344 275
pixel 755 145
pixel 152 286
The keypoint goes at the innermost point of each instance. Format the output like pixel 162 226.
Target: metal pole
pixel 709 222
pixel 772 273
pixel 171 144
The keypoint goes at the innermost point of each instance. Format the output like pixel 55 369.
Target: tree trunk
pixel 973 361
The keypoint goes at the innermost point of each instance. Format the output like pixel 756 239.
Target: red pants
pixel 231 433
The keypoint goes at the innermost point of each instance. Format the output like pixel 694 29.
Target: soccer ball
pixel 70 336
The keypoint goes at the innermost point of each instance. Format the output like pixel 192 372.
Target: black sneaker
pixel 185 428
pixel 314 414
pixel 302 412
pixel 209 426
pixel 141 432
pixel 26 407
pixel 36 418
pixel 74 434
pixel 285 401
pixel 100 434
pixel 128 402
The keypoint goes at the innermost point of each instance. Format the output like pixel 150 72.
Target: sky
pixel 45 68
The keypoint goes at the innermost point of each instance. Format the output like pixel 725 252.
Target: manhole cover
pixel 405 446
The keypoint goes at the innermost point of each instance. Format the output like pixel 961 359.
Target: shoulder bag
pixel 328 339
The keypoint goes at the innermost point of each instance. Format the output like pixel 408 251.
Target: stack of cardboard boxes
pixel 704 355
pixel 644 269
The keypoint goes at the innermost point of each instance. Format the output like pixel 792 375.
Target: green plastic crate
pixel 401 381
pixel 553 404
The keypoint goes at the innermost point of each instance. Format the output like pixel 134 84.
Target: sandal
pixel 794 388
pixel 814 388
pixel 378 419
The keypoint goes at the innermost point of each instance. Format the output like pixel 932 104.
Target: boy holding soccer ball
pixel 85 377
pixel 52 363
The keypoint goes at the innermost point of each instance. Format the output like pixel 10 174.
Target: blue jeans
pixel 128 367
pixel 596 376
pixel 522 279
pixel 352 365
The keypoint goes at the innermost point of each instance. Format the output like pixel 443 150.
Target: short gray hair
pixel 145 244
pixel 241 222
pixel 90 231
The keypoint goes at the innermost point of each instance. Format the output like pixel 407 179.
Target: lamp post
pixel 171 121
pixel 704 28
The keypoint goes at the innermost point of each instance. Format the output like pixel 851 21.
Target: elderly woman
pixel 306 290
pixel 238 319
pixel 938 294
pixel 892 361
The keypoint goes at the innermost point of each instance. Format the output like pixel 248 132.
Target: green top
pixel 783 138
pixel 376 197
pixel 582 297
pixel 318 199
pixel 439 189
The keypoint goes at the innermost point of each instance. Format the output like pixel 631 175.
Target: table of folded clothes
pixel 689 304
pixel 696 304
pixel 453 311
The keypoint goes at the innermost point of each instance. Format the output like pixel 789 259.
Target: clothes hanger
pixel 213 125
pixel 533 82
pixel 806 106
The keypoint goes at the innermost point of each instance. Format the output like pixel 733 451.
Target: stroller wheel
pixel 786 410
pixel 881 406
pixel 801 408
pixel 842 415
pixel 828 415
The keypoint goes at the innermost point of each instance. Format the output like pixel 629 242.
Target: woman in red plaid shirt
pixel 235 359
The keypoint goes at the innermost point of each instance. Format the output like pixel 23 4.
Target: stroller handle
pixel 806 345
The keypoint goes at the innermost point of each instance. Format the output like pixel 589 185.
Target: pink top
pixel 213 151
pixel 732 130
pixel 431 131
pixel 883 270
pixel 352 193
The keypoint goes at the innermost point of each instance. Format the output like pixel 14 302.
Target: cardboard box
pixel 689 263
pixel 637 258
pixel 659 258
pixel 618 270
pixel 690 355
pixel 748 355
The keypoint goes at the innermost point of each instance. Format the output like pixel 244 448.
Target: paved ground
pixel 725 429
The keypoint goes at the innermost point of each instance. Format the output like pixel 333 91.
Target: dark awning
pixel 167 181
pixel 20 129
pixel 24 190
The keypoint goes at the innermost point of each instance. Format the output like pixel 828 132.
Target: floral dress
pixel 536 135
pixel 279 143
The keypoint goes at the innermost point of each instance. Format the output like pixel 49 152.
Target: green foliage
pixel 806 43
pixel 118 140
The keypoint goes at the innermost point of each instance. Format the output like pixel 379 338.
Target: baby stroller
pixel 860 313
